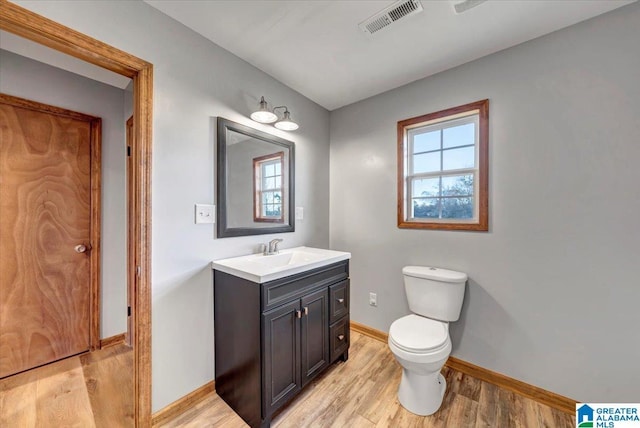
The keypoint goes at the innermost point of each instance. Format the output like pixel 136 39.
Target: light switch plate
pixel 373 299
pixel 299 213
pixel 205 213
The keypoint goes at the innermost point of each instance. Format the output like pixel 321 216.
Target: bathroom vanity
pixel 280 320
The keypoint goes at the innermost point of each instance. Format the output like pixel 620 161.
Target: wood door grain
pixel 46 297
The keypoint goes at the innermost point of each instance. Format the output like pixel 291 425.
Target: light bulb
pixel 263 116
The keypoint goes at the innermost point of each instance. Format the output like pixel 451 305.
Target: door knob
pixel 80 248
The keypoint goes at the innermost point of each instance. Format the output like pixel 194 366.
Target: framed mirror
pixel 255 182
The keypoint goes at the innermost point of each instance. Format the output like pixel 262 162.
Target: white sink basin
pixel 259 268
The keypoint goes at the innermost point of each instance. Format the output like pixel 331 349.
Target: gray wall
pixel 195 81
pixel 553 292
pixel 26 78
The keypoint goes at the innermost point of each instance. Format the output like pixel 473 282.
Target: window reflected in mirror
pixel 269 184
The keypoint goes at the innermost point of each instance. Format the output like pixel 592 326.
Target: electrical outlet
pixel 299 213
pixel 205 213
pixel 373 299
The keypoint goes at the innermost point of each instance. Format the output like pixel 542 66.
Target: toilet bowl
pixel 421 347
pixel 421 344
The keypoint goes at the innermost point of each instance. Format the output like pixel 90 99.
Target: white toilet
pixel 420 341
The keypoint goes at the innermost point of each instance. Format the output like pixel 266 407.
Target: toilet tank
pixel 434 292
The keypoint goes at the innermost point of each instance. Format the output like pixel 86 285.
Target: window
pixel 443 169
pixel 268 188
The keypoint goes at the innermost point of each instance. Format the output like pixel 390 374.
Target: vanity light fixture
pixel 286 124
pixel 264 115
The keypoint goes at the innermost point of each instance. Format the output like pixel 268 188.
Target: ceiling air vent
pixel 389 15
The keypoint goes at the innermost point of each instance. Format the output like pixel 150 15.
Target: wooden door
pixel 49 233
pixel 281 355
pixel 314 335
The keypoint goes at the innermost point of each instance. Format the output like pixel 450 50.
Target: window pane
pixel 425 208
pixel 271 210
pixel 278 168
pixel 457 185
pixel 267 198
pixel 427 162
pixel 458 158
pixel 426 142
pixel 425 187
pixel 457 207
pixel 277 198
pixel 269 183
pixel 462 135
pixel 269 170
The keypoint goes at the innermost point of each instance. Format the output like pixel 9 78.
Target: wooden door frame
pixel 131 231
pixel 27 24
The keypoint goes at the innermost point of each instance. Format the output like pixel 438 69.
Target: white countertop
pixel 260 268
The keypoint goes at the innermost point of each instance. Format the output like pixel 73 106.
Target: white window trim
pixel 439 125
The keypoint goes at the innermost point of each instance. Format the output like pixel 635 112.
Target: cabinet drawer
pixel 339 338
pixel 338 301
pixel 275 293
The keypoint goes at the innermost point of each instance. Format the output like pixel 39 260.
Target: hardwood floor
pixel 95 390
pixel 362 393
pixel 85 391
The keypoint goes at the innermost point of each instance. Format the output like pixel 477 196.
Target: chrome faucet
pixel 272 247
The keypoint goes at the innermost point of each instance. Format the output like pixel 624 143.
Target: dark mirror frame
pixel 223 231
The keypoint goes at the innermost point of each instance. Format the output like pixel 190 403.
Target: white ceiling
pixel 316 47
pixel 24 47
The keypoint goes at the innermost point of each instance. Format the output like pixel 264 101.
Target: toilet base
pixel 420 394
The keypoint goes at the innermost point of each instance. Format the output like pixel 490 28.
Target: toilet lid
pixel 414 333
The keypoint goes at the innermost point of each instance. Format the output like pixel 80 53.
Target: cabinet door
pixel 315 334
pixel 281 355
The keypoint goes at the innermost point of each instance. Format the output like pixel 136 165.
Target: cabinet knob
pixel 340 300
pixel 298 314
pixel 341 337
pixel 80 248
pixel 306 310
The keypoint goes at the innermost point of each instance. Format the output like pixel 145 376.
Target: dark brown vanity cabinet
pixel 295 346
pixel 271 339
